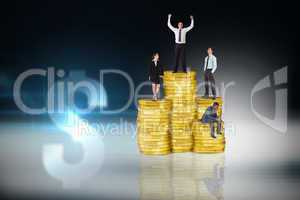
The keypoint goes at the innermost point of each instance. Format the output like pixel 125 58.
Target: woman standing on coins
pixel 155 73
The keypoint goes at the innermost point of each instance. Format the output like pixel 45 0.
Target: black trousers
pixel 180 57
pixel 209 81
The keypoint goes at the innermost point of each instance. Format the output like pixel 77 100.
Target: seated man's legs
pixel 211 123
pixel 212 129
pixel 219 126
pixel 212 126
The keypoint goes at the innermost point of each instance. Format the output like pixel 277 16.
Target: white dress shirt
pixel 212 63
pixel 183 31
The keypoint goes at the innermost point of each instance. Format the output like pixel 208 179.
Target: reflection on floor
pixel 182 176
pixel 266 168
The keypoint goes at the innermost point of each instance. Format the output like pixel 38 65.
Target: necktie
pixel 179 39
pixel 207 62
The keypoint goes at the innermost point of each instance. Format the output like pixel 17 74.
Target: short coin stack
pixel 203 141
pixel 204 103
pixel 181 89
pixel 153 127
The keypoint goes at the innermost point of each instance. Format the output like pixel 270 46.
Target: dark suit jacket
pixel 210 115
pixel 155 71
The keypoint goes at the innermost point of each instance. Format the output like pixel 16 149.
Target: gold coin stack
pixel 181 89
pixel 153 122
pixel 204 142
pixel 204 103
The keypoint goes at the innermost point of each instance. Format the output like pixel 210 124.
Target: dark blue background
pixel 93 35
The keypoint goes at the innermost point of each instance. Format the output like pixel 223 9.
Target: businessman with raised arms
pixel 180 42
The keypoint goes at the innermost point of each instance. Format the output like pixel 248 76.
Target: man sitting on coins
pixel 210 116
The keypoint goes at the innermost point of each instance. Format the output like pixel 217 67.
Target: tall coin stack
pixel 181 89
pixel 204 142
pixel 153 122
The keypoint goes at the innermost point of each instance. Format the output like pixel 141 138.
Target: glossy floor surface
pixel 39 160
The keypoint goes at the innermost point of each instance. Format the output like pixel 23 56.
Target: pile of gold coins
pixel 153 124
pixel 204 142
pixel 181 89
pixel 174 124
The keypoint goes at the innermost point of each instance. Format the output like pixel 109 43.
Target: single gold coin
pixel 161 142
pixel 154 145
pixel 210 140
pixel 153 134
pixel 208 145
pixel 188 145
pixel 179 95
pixel 181 137
pixel 179 88
pixel 153 131
pixel 153 140
pixel 209 148
pixel 149 130
pixel 188 89
pixel 208 151
pixel 181 150
pixel 179 142
pixel 156 153
pixel 154 117
pixel 151 102
pixel 181 132
pixel 156 150
pixel 171 73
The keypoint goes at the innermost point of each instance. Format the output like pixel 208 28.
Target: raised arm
pixel 169 23
pixel 191 25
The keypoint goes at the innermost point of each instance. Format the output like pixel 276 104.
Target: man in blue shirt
pixel 210 116
pixel 210 66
